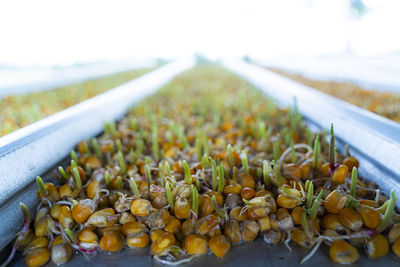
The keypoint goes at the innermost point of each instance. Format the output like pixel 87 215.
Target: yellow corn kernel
pixel 112 241
pixel 296 214
pixel 195 244
pixel 238 214
pixel 232 189
pixel 340 174
pixel 155 234
pixel 87 235
pixel 377 246
pixel 396 247
pixel 65 217
pixel 219 245
pixel 206 224
pixel 57 240
pixel 232 231
pixel 351 219
pixel 325 169
pixel 133 227
pixel 351 162
pixel 173 226
pixel 246 180
pixel 92 188
pixel 331 221
pixel 287 202
pixel 65 191
pixel 83 210
pixel 40 242
pixel 162 243
pixel 301 238
pixel 335 202
pixel 182 208
pixel 250 230
pixel 394 233
pixel 370 216
pixel 141 207
pixel 37 257
pixel 343 253
pixel 138 240
pixel 264 223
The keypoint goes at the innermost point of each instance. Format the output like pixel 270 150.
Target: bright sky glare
pixel 63 32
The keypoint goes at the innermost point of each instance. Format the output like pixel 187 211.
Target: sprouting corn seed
pixel 230 156
pixel 121 161
pixel 107 178
pixel 277 174
pixel 315 206
pixel 186 168
pixel 316 152
pixel 134 187
pixel 220 212
pixel 310 194
pixel 73 156
pixel 77 178
pixel 214 182
pixel 62 172
pixel 41 186
pixel 353 184
pixel 221 181
pixel 388 213
pixel 245 163
pixel 96 148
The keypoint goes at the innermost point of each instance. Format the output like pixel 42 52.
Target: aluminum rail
pixel 374 140
pixel 33 150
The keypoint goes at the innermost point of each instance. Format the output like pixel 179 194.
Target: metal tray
pixel 258 253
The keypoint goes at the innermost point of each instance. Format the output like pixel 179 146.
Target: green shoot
pixel 71 236
pixel 62 172
pixel 245 163
pixel 148 175
pixel 316 152
pixel 221 182
pixel 353 184
pixel 77 178
pixel 388 213
pixel 107 178
pixel 310 195
pixel 230 156
pixel 315 206
pixel 332 149
pixel 132 156
pixel 139 145
pixel 292 151
pixel 155 146
pixel 188 176
pixel 119 144
pixel 119 182
pixel 73 156
pixel 220 212
pixel 214 174
pixel 134 187
pixel 41 186
pixel 167 169
pixel 169 195
pixel 277 171
pixel 204 161
pixel 235 175
pixel 96 148
pixel 195 200
pixel 198 148
pixel 276 152
pixel 25 211
pixel 86 148
pixel 121 161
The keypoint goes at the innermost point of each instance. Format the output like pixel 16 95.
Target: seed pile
pixel 205 164
pixel 20 110
pixel 379 102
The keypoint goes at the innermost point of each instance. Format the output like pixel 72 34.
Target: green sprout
pixel 71 236
pixel 134 187
pixel 195 199
pixel 132 156
pixel 167 169
pixel 86 148
pixel 261 129
pixel 315 206
pixel 107 178
pixel 230 156
pixel 62 172
pixel 235 174
pixel 245 162
pixel 88 168
pixel 316 151
pixel 219 211
pixel 96 148
pixel 304 223
pixel 186 168
pixel 205 162
pixel 266 172
pixel 40 184
pixel 25 211
pixel 198 148
pixel 139 145
pixel 121 161
pixel 73 156
pixel 276 152
pixel 221 182
pixel 214 174
pixel 277 171
pixel 310 194
pixel 119 182
pixel 332 160
pixel 388 213
pixel 119 144
pixel 169 195
pixel 148 175
pixel 292 152
pixel 353 183
pixel 77 178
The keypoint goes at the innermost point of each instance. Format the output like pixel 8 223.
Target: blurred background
pixel 53 43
